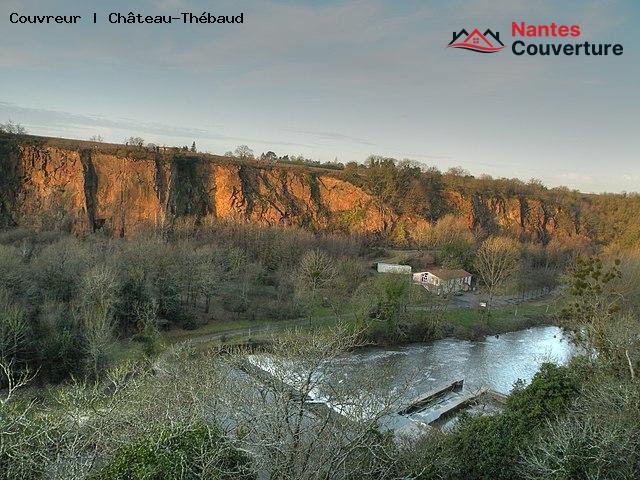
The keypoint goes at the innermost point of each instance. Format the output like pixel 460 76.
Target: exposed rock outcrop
pixel 98 191
pixel 90 189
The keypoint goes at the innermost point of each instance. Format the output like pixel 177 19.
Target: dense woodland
pixel 91 387
pixel 67 302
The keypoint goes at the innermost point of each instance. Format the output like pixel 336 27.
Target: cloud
pixel 331 136
pixel 35 116
pixel 601 16
pixel 52 122
pixel 428 156
pixel 499 10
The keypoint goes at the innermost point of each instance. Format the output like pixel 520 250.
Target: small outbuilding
pixel 442 281
pixel 394 268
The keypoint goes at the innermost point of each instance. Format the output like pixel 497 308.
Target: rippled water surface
pixel 496 362
pixel 396 376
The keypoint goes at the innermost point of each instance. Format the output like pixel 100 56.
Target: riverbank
pixel 465 324
pixel 421 326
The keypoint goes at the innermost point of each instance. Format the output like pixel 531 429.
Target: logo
pixel 487 42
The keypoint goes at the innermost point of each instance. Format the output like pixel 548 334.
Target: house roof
pixel 446 274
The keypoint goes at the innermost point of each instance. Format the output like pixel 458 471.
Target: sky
pixel 340 79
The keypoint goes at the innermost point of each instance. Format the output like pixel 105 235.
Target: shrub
pixel 61 343
pixel 24 441
pixel 600 438
pixel 186 452
pixel 488 447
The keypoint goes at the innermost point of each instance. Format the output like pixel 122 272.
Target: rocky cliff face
pixel 96 191
pixel 525 217
pixel 89 190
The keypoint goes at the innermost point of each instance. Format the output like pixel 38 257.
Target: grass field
pixel 499 315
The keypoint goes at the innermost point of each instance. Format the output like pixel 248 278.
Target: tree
pixel 269 156
pixel 594 310
pixel 489 446
pixel 592 299
pixel 208 268
pixel 96 310
pixel 453 241
pixel 96 138
pixel 187 452
pixel 497 261
pixel 599 438
pixel 243 272
pixel 133 297
pixel 132 423
pixel 15 331
pixel 58 269
pixel 193 147
pixel 134 141
pixel 315 275
pixel 295 439
pixel 61 348
pixel 316 270
pixel 243 151
pixel 385 298
pixel 12 128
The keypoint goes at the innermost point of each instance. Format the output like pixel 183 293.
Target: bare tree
pixel 96 138
pixel 304 416
pixel 497 261
pixel 13 128
pixel 134 141
pixel 316 270
pixel 210 274
pixel 264 404
pixel 600 431
pixel 12 381
pixel 95 308
pixel 14 328
pixel 243 151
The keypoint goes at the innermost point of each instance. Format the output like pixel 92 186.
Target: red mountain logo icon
pixel 487 42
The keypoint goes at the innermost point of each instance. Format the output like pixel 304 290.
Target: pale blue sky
pixel 338 79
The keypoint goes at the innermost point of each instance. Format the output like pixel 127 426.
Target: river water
pixel 495 362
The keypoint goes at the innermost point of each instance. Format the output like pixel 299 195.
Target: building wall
pixel 393 268
pixel 439 286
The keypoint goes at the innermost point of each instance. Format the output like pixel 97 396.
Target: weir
pixel 436 406
pixel 269 379
pixel 399 425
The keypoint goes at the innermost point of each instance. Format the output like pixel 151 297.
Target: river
pixel 495 362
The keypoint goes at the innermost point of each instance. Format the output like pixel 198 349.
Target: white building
pixel 443 281
pixel 394 268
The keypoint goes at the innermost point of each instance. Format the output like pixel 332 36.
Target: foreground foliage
pixel 189 453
